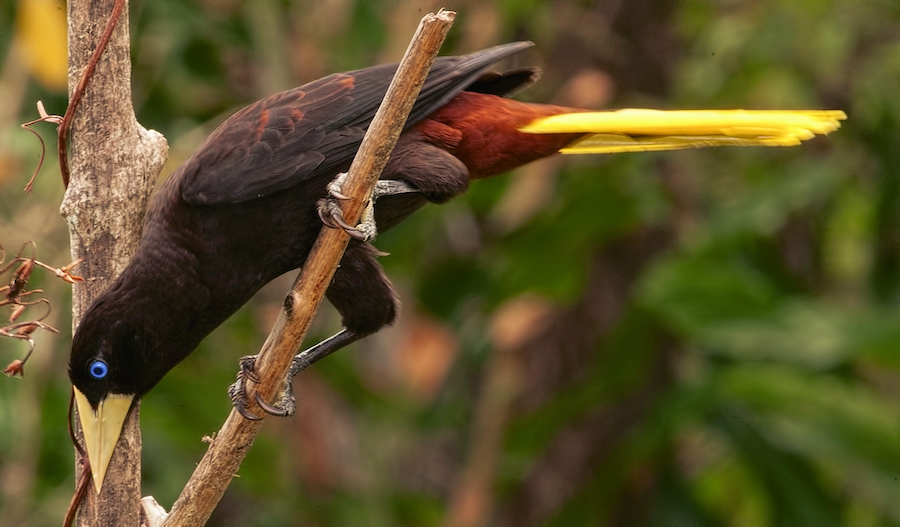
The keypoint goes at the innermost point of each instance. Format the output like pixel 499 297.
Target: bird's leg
pixel 330 210
pixel 285 406
pixel 366 301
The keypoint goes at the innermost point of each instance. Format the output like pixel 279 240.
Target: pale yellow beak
pixel 101 428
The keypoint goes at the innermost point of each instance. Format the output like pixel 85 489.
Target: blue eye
pixel 98 369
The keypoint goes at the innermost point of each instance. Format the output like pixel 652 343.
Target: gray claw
pixel 238 395
pixel 247 415
pixel 272 410
pixel 326 219
pixel 331 215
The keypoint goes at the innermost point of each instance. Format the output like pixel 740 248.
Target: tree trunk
pixel 114 166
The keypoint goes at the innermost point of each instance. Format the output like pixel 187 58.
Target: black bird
pixel 242 210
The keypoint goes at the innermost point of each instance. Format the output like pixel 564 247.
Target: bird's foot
pixel 285 406
pixel 331 214
pixel 238 391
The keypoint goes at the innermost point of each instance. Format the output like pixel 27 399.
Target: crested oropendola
pixel 242 210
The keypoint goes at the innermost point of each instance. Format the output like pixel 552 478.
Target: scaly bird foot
pixel 238 391
pixel 331 214
pixel 285 406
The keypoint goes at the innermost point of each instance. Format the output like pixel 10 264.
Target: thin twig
pixel 227 450
pixel 16 296
pixel 44 117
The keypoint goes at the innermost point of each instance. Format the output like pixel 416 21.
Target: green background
pixel 704 337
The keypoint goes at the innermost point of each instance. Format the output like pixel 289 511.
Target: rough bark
pixel 114 165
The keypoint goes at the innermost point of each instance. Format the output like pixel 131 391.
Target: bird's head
pixel 107 371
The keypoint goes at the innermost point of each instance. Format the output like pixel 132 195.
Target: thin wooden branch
pixel 217 468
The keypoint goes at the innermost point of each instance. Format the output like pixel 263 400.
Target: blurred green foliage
pixel 707 337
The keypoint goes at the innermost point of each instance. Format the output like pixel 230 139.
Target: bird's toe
pixel 285 407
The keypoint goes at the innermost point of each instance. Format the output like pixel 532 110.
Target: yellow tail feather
pixel 635 130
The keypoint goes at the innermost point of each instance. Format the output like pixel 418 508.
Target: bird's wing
pixel 315 129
